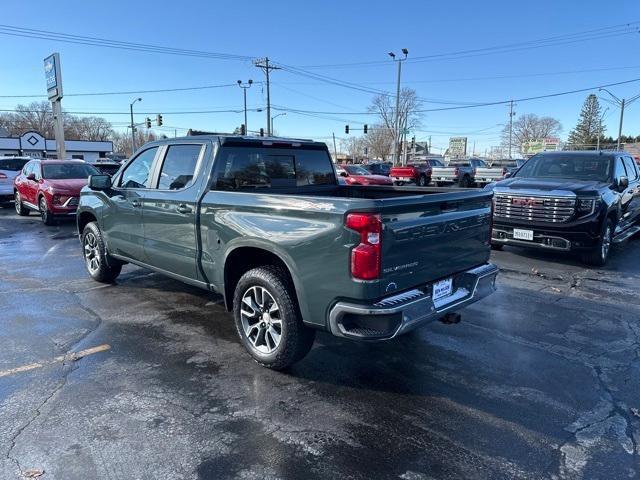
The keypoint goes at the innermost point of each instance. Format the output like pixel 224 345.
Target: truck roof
pixel 250 140
pixel 582 153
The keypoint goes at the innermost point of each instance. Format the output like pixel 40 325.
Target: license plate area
pixel 442 289
pixel 520 234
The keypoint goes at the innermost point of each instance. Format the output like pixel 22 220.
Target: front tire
pixel 268 319
pixel 45 214
pixel 100 265
pixel 600 254
pixel 20 208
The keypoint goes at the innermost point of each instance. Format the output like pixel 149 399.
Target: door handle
pixel 136 203
pixel 182 208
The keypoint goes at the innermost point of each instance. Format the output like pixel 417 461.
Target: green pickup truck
pixel 266 223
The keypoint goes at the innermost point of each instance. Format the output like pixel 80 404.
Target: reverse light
pixel 366 258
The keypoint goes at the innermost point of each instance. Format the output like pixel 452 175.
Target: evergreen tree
pixel 585 134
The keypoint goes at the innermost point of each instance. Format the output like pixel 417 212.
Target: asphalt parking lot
pixel 540 380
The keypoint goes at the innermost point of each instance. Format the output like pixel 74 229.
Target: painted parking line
pixel 71 356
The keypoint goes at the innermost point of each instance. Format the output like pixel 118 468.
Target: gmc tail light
pixel 456 172
pixel 366 257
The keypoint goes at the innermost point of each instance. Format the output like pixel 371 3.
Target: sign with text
pixel 542 145
pixel 457 146
pixel 53 76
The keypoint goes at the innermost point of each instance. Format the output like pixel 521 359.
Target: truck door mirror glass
pixel 623 183
pixel 99 182
pixel 31 176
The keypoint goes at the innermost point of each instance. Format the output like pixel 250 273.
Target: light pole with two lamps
pixel 133 126
pixel 396 136
pixel 244 87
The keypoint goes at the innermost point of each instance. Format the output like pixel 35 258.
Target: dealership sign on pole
pixel 457 147
pixel 53 76
pixel 541 145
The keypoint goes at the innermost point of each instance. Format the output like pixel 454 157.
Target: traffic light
pixel 366 128
pixel 243 129
pixel 159 120
pixel 346 129
pixel 261 132
pixel 413 142
pixel 147 122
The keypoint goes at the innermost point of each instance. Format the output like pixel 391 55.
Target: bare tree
pixel 353 147
pixel 529 127
pixel 379 141
pixel 408 115
pixel 88 128
pixel 122 140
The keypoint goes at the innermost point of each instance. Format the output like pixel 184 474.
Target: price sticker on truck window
pixel 519 234
pixel 442 289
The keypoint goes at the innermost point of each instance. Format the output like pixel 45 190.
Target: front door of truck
pixel 122 220
pixel 170 209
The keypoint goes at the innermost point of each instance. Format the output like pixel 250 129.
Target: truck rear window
pixel 238 168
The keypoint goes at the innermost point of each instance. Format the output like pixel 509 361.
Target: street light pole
pixel 244 87
pixel 133 126
pixel 620 125
pixel 274 117
pixel 396 137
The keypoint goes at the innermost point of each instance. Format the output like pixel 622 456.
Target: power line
pixel 108 43
pixel 194 112
pixel 585 35
pixel 129 92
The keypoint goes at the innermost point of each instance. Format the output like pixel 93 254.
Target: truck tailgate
pixel 489 174
pixel 438 173
pixel 433 237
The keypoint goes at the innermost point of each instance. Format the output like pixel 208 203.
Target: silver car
pixel 9 169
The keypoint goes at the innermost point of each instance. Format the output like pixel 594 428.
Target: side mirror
pixel 343 174
pixel 31 176
pixel 99 182
pixel 623 183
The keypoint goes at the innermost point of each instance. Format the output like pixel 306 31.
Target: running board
pixel 626 234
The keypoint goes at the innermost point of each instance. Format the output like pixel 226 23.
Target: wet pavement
pixel 540 380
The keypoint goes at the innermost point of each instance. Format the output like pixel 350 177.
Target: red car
pixel 357 175
pixel 51 187
pixel 418 172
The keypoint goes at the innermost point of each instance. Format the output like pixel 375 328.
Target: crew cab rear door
pixel 433 236
pixel 631 195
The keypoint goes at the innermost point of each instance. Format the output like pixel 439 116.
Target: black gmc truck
pixel 582 201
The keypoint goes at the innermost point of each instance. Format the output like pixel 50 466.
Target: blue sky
pixel 330 32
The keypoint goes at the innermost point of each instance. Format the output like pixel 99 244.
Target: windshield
pixel 13 164
pixel 574 167
pixel 66 171
pixel 356 170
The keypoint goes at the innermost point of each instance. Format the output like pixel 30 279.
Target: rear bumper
pixel 397 314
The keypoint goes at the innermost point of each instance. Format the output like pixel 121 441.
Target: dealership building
pixel 32 144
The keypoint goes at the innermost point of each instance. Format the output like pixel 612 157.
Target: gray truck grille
pixel 537 209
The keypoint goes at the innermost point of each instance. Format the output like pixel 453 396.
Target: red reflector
pixel 366 257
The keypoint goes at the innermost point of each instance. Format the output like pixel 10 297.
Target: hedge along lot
pixel 539 379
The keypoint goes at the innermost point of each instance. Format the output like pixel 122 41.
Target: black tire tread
pixel 110 268
pixel 298 339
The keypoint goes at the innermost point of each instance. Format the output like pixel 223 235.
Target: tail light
pixel 366 257
pixel 475 171
pixel 504 171
pixel 456 172
pixel 2 176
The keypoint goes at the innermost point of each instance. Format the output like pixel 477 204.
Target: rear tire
pixel 100 265
pixel 600 254
pixel 422 181
pixel 45 214
pixel 20 208
pixel 268 319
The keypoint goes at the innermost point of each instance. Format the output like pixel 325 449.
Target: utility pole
pixel 244 88
pixel 335 150
pixel 622 104
pixel 511 114
pixel 133 126
pixel 396 138
pixel 266 68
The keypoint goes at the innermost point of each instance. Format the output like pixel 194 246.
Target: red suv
pixel 51 187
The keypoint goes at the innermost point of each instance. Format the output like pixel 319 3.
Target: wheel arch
pixel 84 218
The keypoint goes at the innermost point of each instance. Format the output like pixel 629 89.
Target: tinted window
pixel 571 166
pixel 249 167
pixel 179 166
pixel 12 164
pixel 137 173
pixel 631 170
pixel 620 170
pixel 64 171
